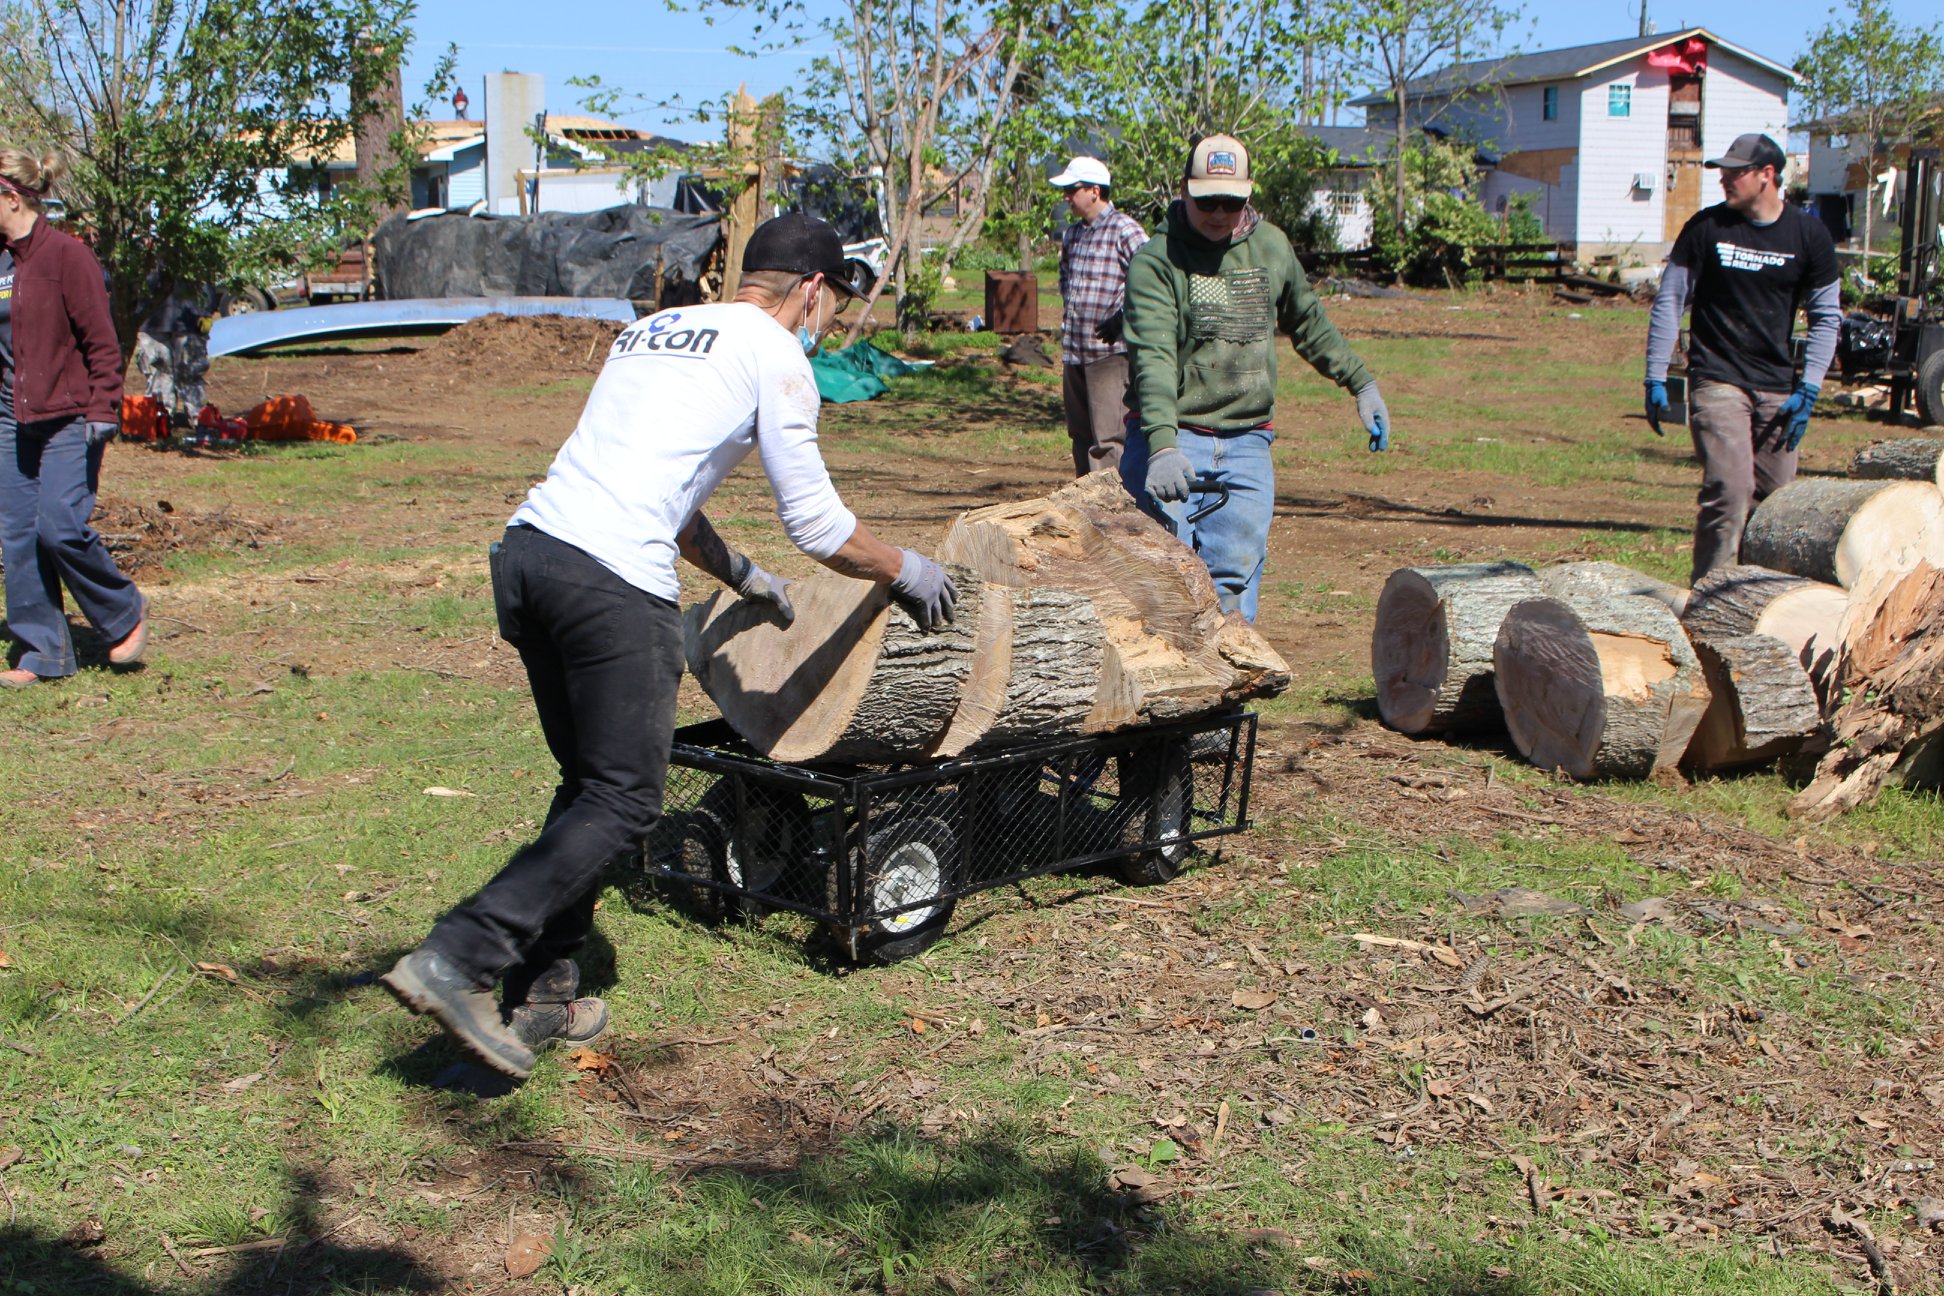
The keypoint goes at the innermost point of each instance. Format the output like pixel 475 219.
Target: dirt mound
pixel 523 345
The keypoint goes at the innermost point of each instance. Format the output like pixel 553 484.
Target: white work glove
pixel 1168 472
pixel 924 590
pixel 752 582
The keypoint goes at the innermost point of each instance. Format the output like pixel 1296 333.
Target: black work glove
pixel 1113 328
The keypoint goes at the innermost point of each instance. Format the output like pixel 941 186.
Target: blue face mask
pixel 808 338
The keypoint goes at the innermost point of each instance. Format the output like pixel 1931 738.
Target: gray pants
pixel 1740 440
pixel 1096 412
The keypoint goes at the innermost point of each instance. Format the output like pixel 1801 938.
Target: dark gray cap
pixel 1751 150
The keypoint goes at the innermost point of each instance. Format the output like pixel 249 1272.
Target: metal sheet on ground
pixel 238 334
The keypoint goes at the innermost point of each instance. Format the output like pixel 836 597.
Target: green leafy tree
pixel 197 130
pixel 1394 43
pixel 1442 237
pixel 1881 81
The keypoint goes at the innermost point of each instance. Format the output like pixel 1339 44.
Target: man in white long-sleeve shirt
pixel 585 588
pixel 1748 264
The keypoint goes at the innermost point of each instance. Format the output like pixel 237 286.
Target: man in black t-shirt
pixel 1747 265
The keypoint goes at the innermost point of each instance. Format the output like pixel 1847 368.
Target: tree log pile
pixel 1076 614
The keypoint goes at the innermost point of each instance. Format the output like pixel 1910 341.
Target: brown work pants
pixel 1742 444
pixel 1096 412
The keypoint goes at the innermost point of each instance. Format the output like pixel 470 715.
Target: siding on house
pixel 1738 97
pixel 1613 211
pixel 466 177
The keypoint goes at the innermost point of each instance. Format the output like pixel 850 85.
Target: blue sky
pixel 648 49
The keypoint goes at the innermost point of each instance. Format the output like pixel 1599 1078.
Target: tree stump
pixel 1731 602
pixel 1904 459
pixel 1761 705
pixel 853 679
pixel 1431 648
pixel 1598 685
pixel 1611 578
pixel 1170 651
pixel 1832 530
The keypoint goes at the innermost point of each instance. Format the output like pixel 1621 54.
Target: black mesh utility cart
pixel 880 855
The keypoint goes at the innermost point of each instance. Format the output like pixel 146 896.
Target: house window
pixel 1620 101
pixel 1549 102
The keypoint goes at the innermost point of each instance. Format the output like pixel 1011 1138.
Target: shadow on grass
pixel 307 1261
pixel 1375 508
pixel 905 1211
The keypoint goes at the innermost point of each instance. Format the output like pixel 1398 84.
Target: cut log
pixel 1431 650
pixel 1731 602
pixel 1598 685
pixel 1890 725
pixel 1761 705
pixel 1170 651
pixel 851 679
pixel 1034 672
pixel 1905 459
pixel 1611 578
pixel 1832 530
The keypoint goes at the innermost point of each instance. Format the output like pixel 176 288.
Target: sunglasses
pixel 1224 204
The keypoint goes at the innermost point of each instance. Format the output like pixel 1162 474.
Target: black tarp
pixel 609 253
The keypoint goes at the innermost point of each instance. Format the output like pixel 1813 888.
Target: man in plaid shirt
pixel 1094 252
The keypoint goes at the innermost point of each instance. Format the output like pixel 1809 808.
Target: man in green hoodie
pixel 1204 302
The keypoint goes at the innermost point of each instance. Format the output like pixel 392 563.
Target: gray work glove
pixel 1376 417
pixel 924 590
pixel 1168 472
pixel 752 582
pixel 102 433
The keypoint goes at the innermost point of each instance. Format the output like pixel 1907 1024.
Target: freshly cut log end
pixel 1762 704
pixel 852 679
pixel 1431 649
pixel 1612 578
pixel 1169 649
pixel 1598 686
pixel 1733 602
pixel 1905 459
pixel 1833 530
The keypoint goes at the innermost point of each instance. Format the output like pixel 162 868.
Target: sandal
pixel 134 643
pixel 18 679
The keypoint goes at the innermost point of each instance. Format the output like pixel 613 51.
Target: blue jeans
pixel 49 473
pixel 1233 541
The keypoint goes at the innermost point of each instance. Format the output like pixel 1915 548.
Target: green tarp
pixel 856 373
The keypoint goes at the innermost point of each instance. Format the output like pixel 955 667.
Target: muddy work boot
pixel 427 982
pixel 549 1012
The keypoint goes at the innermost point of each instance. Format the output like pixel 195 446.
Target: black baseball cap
pixel 800 244
pixel 1751 151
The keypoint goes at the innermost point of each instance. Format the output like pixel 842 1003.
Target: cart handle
pixel 1208 484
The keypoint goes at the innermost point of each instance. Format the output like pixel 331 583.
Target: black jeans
pixel 603 659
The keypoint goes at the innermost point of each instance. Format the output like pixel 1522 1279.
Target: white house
pixel 1608 138
pixel 1841 176
pixel 1342 196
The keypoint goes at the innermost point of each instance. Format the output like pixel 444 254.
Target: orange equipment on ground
pixel 144 418
pixel 289 418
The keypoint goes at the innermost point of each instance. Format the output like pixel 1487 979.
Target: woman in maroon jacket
pixel 60 403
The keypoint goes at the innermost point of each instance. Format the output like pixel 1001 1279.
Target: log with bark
pixel 1076 614
pixel 1906 459
pixel 1611 578
pixel 1762 705
pixel 1889 726
pixel 1170 650
pixel 851 679
pixel 1431 649
pixel 1598 685
pixel 1835 530
pixel 1806 615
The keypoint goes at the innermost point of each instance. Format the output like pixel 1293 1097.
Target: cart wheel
pixel 1930 388
pixel 1157 787
pixel 905 863
pixel 752 853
